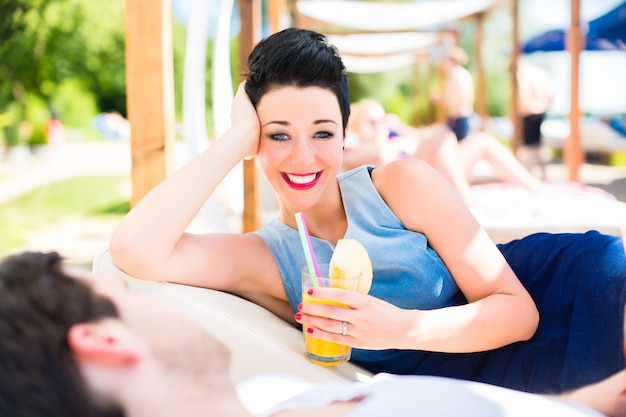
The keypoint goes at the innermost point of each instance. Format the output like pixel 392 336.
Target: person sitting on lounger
pixel 377 137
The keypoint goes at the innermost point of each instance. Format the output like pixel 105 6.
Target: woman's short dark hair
pixel 299 58
pixel 38 305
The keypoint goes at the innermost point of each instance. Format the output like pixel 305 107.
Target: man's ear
pixel 104 342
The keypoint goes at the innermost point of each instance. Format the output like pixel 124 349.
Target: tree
pixel 46 42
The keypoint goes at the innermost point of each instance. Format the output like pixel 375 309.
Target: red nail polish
pixel 300 306
pixel 310 291
pixel 309 330
pixel 297 316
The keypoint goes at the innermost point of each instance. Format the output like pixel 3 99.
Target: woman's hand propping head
pixel 243 117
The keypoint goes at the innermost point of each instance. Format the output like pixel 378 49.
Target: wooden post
pixel 150 92
pixel 514 101
pixel 294 16
pixel 479 70
pixel 573 153
pixel 250 15
pixel 275 11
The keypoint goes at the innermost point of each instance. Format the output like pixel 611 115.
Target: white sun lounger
pixel 260 342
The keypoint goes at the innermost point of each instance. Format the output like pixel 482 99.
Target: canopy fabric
pixel 371 64
pixel 357 15
pixel 554 40
pixel 611 26
pixel 379 52
pixel 383 43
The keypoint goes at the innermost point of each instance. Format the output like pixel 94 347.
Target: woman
pixel 442 291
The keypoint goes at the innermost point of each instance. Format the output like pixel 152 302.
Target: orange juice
pixel 316 350
pixel 320 351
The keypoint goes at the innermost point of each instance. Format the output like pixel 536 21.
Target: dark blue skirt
pixel 577 282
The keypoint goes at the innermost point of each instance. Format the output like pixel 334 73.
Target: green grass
pixel 89 197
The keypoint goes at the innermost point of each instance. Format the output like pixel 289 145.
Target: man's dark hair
pixel 38 305
pixel 299 58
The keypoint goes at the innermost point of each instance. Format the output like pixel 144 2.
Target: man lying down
pixel 71 345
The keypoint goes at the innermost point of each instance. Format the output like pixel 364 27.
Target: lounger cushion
pixel 259 341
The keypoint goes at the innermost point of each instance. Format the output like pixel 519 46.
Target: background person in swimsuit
pixel 534 100
pixel 376 137
pixel 457 96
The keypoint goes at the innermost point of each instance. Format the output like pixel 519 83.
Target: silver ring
pixel 344 328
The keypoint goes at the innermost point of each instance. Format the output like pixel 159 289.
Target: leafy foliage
pixel 45 42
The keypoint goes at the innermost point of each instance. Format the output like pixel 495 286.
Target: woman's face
pixel 300 150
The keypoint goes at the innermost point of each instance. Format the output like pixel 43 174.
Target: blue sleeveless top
pixel 577 281
pixel 409 279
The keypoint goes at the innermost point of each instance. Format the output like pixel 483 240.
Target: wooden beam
pixel 275 14
pixel 150 92
pixel 573 152
pixel 479 70
pixel 250 16
pixel 514 101
pixel 294 17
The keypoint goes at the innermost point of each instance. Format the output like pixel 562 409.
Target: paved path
pixel 65 161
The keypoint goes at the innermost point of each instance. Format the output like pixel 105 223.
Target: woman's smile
pixel 302 182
